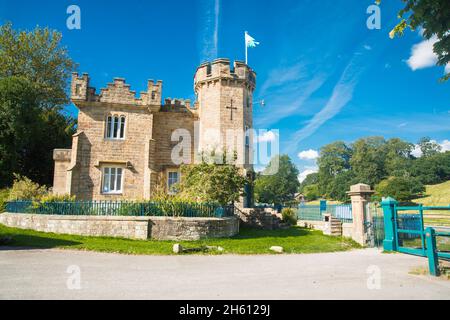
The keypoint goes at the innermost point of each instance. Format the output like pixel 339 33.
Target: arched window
pixel 115 127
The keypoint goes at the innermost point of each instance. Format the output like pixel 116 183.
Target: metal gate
pixel 374 224
pixel 405 232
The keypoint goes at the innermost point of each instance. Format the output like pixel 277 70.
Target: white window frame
pixel 168 180
pixel 106 180
pixel 109 127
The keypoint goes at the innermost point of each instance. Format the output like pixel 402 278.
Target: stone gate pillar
pixel 360 195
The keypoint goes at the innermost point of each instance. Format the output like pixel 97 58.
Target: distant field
pixel 436 195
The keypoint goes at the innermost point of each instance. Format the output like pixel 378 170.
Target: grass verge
pixel 249 241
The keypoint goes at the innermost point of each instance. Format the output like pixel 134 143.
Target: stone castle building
pixel 124 146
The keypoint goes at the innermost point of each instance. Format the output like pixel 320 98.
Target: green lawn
pixel 249 241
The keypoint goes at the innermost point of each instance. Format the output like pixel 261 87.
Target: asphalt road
pixel 358 274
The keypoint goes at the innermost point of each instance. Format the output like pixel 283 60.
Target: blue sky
pixel 323 74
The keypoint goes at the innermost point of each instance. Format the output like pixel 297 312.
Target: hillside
pixel 436 195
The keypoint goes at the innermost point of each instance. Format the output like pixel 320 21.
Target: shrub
pixel 288 215
pixel 50 198
pixel 4 194
pixel 25 189
pixel 400 188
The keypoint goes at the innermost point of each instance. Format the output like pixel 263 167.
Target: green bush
pixel 50 198
pixel 400 188
pixel 25 189
pixel 288 215
pixel 4 194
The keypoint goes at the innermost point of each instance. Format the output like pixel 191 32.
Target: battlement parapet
pixel 222 69
pixel 176 105
pixel 116 92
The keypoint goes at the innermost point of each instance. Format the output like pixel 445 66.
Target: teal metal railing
pixel 342 212
pixel 400 226
pixel 121 208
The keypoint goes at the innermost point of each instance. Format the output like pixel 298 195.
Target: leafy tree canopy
pixel 211 182
pixel 433 16
pixel 400 188
pixel 280 187
pixel 39 57
pixel 34 70
pixel 373 160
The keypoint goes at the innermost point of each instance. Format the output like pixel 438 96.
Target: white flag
pixel 250 41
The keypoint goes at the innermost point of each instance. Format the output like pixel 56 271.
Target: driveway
pixel 358 274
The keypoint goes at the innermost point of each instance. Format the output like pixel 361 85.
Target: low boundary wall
pixel 347 227
pixel 130 227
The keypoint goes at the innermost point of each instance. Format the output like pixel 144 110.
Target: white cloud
pixel 422 55
pixel 416 152
pixel 287 100
pixel 308 154
pixel 445 146
pixel 266 137
pixel 302 176
pixel 209 24
pixel 341 95
pixel 367 47
pixel 447 68
pixel 282 76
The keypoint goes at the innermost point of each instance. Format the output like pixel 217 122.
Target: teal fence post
pixel 433 259
pixel 323 206
pixel 390 242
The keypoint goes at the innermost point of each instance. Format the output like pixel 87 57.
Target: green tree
pixel 280 187
pixel 368 160
pixel 400 188
pixel 34 70
pixel 398 158
pixel 312 178
pixel 432 169
pixel 211 182
pixel 39 57
pixel 433 16
pixel 334 159
pixel 428 147
pixel 311 192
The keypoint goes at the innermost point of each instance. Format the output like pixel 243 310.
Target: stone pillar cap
pixel 360 188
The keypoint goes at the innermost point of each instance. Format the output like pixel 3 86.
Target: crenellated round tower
pixel 225 106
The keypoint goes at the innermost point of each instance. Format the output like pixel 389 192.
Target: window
pixel 247 136
pixel 172 178
pixel 112 180
pixel 115 127
pixel 248 100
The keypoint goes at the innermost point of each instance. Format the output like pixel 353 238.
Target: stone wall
pixel 164 228
pixel 160 228
pixel 321 225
